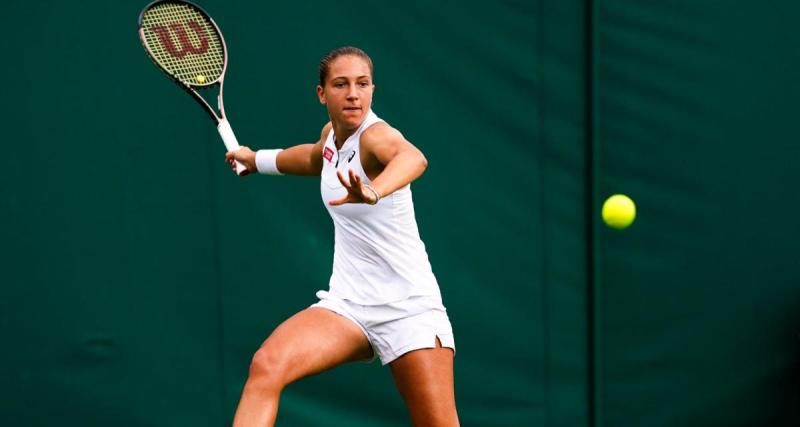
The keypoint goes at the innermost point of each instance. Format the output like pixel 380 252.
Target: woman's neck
pixel 340 134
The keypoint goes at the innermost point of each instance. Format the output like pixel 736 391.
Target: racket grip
pixel 231 144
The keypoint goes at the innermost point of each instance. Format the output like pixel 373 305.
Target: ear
pixel 321 94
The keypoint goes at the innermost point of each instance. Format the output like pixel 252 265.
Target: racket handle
pixel 231 143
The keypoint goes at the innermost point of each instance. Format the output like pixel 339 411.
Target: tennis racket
pixel 186 44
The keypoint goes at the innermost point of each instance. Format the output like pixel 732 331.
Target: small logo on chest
pixel 350 157
pixel 328 154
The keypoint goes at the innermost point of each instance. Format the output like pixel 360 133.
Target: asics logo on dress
pixel 328 154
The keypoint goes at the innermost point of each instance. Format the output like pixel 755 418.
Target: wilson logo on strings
pixel 183 39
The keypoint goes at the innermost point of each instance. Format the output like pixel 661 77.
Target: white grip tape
pixel 231 144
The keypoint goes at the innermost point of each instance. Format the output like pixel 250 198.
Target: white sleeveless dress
pixel 382 279
pixel 378 255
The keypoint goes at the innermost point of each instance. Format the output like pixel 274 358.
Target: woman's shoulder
pixel 323 135
pixel 379 131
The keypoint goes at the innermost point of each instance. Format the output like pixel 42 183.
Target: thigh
pixel 425 380
pixel 312 341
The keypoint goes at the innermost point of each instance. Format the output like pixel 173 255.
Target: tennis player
pixel 383 299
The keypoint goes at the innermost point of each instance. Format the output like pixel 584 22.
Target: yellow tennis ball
pixel 200 78
pixel 619 211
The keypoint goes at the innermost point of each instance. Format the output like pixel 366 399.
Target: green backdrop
pixel 140 274
pixel 698 304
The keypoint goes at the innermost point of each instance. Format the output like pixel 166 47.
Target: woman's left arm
pixel 386 152
pixel 387 149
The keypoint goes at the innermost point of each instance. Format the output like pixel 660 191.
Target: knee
pixel 267 369
pixel 436 417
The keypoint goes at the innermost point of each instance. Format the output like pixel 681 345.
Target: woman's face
pixel 348 91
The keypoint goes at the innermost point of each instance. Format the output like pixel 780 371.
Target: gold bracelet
pixel 375 192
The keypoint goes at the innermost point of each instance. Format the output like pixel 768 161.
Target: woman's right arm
pixel 303 159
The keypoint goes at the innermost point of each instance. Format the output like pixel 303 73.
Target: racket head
pixel 184 42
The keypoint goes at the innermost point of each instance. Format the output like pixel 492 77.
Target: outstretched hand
pixel 357 192
pixel 245 156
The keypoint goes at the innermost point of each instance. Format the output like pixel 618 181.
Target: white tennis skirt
pixel 396 328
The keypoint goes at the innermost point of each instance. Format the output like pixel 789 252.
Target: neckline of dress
pixel 349 138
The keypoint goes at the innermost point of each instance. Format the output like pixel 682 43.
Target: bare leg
pixel 307 343
pixel 425 380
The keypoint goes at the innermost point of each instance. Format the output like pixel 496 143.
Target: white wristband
pixel 267 161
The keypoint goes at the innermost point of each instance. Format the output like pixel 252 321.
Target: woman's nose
pixel 352 93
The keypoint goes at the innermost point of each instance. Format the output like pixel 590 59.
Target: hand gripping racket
pixel 186 44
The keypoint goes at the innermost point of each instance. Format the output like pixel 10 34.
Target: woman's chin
pixel 351 121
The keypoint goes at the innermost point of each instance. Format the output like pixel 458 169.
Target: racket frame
pixel 192 88
pixel 220 119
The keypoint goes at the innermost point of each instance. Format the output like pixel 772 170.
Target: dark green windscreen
pixel 699 301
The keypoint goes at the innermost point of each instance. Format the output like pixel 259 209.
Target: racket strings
pixel 184 43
